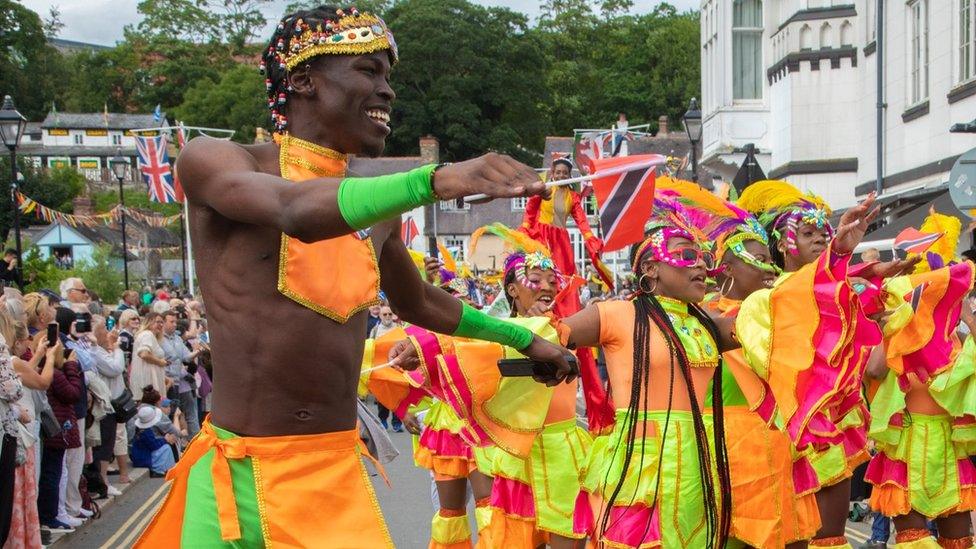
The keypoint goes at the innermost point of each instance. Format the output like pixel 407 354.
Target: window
pixel 965 41
pixel 747 49
pixel 79 139
pixel 518 203
pixel 919 52
pixel 116 139
pixel 455 206
pixel 457 245
pixel 589 206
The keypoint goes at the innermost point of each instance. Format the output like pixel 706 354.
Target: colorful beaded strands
pixel 671 219
pixel 304 35
pixel 783 208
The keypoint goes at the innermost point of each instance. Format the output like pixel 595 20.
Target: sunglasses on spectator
pixel 82 290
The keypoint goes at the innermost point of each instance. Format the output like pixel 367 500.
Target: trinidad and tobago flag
pixel 408 231
pixel 914 241
pixel 624 193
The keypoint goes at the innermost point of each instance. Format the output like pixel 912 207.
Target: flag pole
pixel 583 178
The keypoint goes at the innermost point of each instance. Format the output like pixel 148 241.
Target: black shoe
pixel 45 537
pixel 115 472
pixel 154 474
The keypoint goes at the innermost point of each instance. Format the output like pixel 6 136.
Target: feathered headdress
pixel 723 223
pixel 783 207
pixel 943 251
pixel 526 254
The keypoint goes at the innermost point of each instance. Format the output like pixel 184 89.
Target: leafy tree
pixel 465 76
pixel 104 201
pixel 101 272
pixel 31 70
pixel 235 102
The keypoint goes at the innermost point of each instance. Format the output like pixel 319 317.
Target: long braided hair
pixel 716 508
pixel 276 75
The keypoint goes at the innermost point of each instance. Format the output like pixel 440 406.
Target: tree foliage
pixel 477 78
pixel 55 188
pixel 101 273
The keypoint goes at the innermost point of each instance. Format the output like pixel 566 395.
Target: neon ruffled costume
pixel 766 512
pixel 923 419
pixel 808 338
pixel 657 492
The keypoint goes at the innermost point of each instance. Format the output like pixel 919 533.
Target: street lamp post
pixel 12 125
pixel 120 166
pixel 693 125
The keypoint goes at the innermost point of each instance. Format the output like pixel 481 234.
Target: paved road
pixel 407 507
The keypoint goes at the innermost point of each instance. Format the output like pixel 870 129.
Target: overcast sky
pixel 101 21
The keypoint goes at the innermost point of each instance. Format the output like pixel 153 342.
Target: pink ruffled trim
pixel 513 497
pixel 855 440
pixel 413 397
pixel 583 515
pixel 883 469
pixel 633 526
pixel 937 352
pixel 462 401
pixel 967 473
pixel 443 443
pixel 767 408
pixel 804 477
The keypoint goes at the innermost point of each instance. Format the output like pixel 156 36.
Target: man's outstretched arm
pixel 420 303
pixel 226 178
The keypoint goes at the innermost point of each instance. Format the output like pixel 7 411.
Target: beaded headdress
pixel 670 218
pixel 782 207
pixel 351 33
pixel 527 253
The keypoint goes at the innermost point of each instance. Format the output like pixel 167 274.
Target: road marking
pixel 110 543
pixel 858 536
pixel 138 528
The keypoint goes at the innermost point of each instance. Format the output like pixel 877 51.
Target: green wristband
pixel 364 201
pixel 477 325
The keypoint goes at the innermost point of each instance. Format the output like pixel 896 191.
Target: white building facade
pixel 798 78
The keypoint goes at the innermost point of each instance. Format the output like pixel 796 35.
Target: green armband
pixel 478 325
pixel 364 201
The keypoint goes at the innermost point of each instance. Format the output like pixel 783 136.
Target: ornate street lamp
pixel 120 167
pixel 693 125
pixel 12 125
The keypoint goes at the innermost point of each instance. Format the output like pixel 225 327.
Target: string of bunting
pixel 28 205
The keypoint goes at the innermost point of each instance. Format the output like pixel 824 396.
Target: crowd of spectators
pixel 116 386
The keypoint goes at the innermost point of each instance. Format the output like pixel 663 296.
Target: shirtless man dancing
pixel 291 253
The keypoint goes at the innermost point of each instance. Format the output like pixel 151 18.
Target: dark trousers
pixel 8 459
pixel 52 459
pixel 384 414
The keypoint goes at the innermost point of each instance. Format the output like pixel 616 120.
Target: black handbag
pixel 125 407
pixel 50 426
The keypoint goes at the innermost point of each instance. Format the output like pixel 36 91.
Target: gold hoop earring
pixel 640 284
pixel 725 291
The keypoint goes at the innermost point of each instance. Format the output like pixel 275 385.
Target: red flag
pixel 408 231
pixel 914 241
pixel 624 199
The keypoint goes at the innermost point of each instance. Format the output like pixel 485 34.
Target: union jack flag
pixel 408 231
pixel 156 170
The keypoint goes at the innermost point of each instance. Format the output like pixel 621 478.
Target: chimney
pixel 430 152
pixel 82 205
pixel 662 125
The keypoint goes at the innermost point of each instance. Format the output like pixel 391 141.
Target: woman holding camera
pixel 148 359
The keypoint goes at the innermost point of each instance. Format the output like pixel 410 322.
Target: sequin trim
pixel 262 508
pixel 367 484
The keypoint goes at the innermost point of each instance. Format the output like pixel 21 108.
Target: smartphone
pixel 524 367
pixel 83 323
pixel 52 333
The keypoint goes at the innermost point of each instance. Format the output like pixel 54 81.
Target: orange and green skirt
pixel 533 498
pixel 232 491
pixel 923 465
pixel 766 511
pixel 441 449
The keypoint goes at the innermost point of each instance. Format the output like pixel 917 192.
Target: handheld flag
pixel 158 113
pixel 625 199
pixel 155 168
pixel 914 241
pixel 408 231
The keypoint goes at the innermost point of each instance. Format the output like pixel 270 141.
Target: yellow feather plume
pixel 695 194
pixel 518 241
pixel 771 195
pixel 945 247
